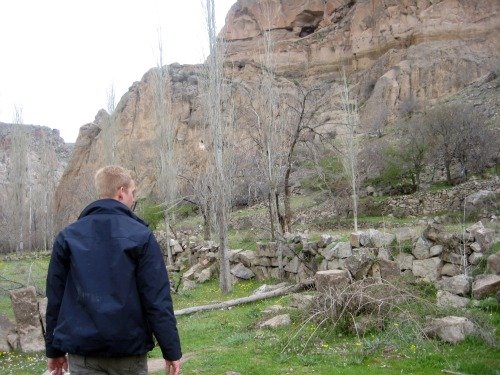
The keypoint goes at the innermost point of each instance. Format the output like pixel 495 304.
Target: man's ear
pixel 119 193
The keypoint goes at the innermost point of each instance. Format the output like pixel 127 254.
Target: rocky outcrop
pixel 46 158
pixel 394 53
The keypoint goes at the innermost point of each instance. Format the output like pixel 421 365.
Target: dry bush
pixel 361 306
pixel 396 311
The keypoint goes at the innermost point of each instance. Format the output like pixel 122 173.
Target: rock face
pixel 395 52
pixel 47 156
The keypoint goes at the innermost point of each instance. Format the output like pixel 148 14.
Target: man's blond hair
pixel 109 179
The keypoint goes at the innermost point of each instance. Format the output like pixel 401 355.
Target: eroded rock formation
pixel 395 53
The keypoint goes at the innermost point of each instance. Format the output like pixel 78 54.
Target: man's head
pixel 115 182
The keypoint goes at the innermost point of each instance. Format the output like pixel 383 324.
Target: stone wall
pixel 434 256
pixel 434 202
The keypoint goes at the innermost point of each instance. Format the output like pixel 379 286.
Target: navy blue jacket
pixel 107 288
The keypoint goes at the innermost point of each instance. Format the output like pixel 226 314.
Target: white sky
pixel 59 58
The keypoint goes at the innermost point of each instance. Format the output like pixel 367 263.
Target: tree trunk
pixel 207 235
pixel 239 301
pixel 271 216
pixel 286 202
pixel 166 219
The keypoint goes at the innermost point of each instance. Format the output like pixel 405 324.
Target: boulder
pixel 452 329
pixel 480 202
pixel 360 263
pixel 28 323
pixel 6 328
pixel 327 239
pixel 476 247
pixel 188 284
pixel 433 232
pixel 474 227
pixel 293 265
pixel 447 299
pixel 435 250
pixel 261 261
pixel 493 264
pixel 380 239
pixel 331 279
pixel 13 339
pixel 405 234
pixel 242 272
pixel 359 239
pixel 261 273
pixel 421 249
pixel 302 301
pixel 427 268
pixel 175 246
pixel 203 276
pixel 451 256
pixel 485 286
pixel 266 249
pixel 450 269
pixel 189 274
pixel 337 250
pixel 405 261
pixel 475 258
pixel 484 237
pixel 383 254
pixel 310 247
pixel 245 257
pixel 459 285
pixel 231 254
pixel 305 272
pixel 385 269
pixel 277 321
pixel 336 264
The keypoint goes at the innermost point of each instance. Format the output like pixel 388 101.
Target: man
pixel 108 290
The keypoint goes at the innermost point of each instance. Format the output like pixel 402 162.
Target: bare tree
pixel 349 142
pixel 48 183
pixel 304 123
pixel 406 157
pixel 461 137
pixel 109 133
pixel 214 87
pixel 165 136
pixel 18 178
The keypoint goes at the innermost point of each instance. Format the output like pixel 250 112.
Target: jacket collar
pixel 109 206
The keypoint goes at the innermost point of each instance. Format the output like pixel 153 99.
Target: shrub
pixel 151 213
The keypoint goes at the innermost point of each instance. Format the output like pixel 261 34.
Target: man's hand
pixel 172 367
pixel 57 365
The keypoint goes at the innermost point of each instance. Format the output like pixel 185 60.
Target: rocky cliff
pixel 395 53
pixel 47 157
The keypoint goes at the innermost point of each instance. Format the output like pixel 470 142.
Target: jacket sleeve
pixel 154 289
pixel 56 283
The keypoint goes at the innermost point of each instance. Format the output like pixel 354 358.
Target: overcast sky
pixel 59 58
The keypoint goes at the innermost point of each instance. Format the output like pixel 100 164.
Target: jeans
pixel 132 365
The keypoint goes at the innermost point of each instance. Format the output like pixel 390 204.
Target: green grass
pixel 220 341
pixel 440 185
pixel 380 221
pixel 17 272
pixel 244 239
